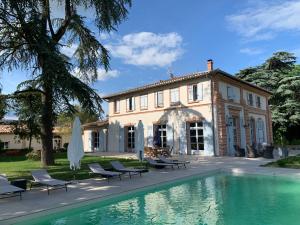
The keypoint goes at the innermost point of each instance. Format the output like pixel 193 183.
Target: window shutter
pixel 170 136
pixel 127 104
pixel 150 136
pixel 190 92
pixel 200 91
pixel 121 139
pixel 183 138
pixel 133 103
pixel 90 141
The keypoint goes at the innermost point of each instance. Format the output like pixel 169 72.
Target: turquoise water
pixel 218 199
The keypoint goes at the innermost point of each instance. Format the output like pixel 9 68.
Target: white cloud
pixel 102 74
pixel 251 51
pixel 263 22
pixel 148 49
pixel 69 50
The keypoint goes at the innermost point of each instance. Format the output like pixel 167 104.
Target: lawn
pixel 16 167
pixel 289 162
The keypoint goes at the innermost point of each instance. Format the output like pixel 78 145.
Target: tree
pixel 281 76
pixel 27 106
pixel 3 105
pixel 66 119
pixel 31 37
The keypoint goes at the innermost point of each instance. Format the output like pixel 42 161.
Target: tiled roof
pixel 159 83
pixel 99 123
pixel 179 79
pixel 6 129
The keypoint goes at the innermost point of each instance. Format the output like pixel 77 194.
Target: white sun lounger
pixel 42 177
pixel 121 168
pixel 7 190
pixel 152 162
pixel 97 169
pixel 175 162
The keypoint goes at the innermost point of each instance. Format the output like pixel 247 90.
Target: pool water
pixel 218 199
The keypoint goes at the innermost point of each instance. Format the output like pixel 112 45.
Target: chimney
pixel 210 65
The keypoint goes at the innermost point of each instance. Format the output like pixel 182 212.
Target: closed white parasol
pixel 75 147
pixel 140 140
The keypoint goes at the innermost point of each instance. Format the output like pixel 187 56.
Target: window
pixel 230 93
pixel 258 102
pixel 195 92
pixel 159 99
pixel 117 106
pixel 196 136
pixel 160 135
pixel 96 140
pixel 130 137
pixel 260 130
pixel 4 145
pixel 174 96
pixel 144 101
pixel 130 105
pixel 250 99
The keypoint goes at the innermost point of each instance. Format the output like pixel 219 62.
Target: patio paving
pixel 37 201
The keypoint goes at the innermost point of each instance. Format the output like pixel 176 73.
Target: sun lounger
pixel 121 168
pixel 42 177
pixel 97 169
pixel 152 162
pixel 7 190
pixel 175 162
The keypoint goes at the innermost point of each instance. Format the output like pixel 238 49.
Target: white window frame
pixel 174 92
pixel 157 103
pixel 144 102
pixel 197 128
pixel 250 100
pixel 117 106
pixel 161 129
pixel 258 101
pixel 132 99
pixel 195 92
pixel 96 140
pixel 5 144
pixel 230 93
pixel 131 138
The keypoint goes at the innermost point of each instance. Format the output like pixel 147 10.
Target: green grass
pixel 289 162
pixel 16 167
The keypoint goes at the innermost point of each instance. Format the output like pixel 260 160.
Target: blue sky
pixel 181 35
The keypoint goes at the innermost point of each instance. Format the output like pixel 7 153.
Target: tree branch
pixel 68 15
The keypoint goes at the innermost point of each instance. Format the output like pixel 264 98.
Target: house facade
pixel 205 113
pixel 9 140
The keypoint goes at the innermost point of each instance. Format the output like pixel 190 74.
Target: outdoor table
pixel 21 183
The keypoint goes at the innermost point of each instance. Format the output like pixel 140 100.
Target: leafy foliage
pixel 27 106
pixel 281 76
pixel 31 38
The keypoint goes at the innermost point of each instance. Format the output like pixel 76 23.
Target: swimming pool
pixel 217 199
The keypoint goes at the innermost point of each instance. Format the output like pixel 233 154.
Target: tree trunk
pixel 30 141
pixel 47 127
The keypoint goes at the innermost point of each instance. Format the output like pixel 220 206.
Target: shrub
pixel 34 155
pixel 66 146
